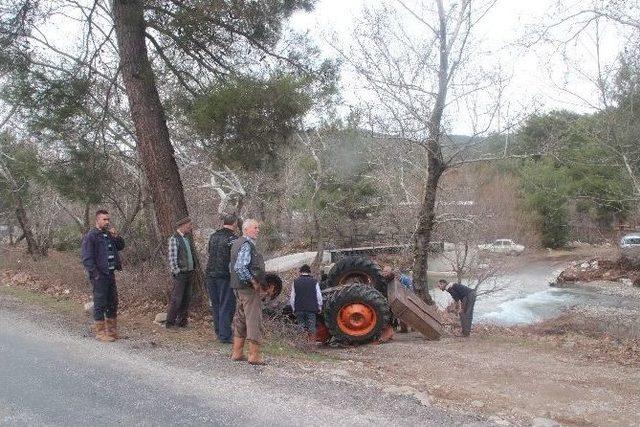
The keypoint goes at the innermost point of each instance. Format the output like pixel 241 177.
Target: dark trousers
pixel 180 298
pixel 105 297
pixel 223 306
pixel 466 314
pixel 307 319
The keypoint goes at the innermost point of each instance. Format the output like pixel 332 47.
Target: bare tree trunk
pixel 21 212
pixel 318 181
pixel 25 225
pixel 424 229
pixel 435 165
pixel 317 234
pixel 147 112
pixel 129 218
pixel 317 229
pixel 147 211
pixel 81 223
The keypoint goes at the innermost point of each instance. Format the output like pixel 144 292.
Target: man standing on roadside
pixel 100 258
pixel 247 271
pixel 183 271
pixel 465 299
pixel 223 301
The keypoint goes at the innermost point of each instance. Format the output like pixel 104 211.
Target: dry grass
pixel 64 305
pixel 589 338
pixel 58 281
pixel 141 285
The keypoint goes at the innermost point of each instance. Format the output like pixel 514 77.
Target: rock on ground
pixel 161 318
pixel 88 308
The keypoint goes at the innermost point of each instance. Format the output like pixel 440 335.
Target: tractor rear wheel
pixel 355 269
pixel 356 314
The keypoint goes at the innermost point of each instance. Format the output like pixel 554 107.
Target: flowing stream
pixel 527 297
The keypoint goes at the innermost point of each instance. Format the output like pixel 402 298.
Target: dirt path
pixel 511 379
pixel 582 368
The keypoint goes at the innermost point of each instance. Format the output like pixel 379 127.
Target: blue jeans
pixel 307 319
pixel 223 306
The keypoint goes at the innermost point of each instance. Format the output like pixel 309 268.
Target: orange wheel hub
pixel 357 319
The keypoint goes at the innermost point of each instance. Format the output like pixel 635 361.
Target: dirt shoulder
pixel 578 369
pixel 513 378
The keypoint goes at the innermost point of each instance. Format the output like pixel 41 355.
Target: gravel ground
pixel 53 374
pixel 509 379
pixel 620 320
pixel 579 369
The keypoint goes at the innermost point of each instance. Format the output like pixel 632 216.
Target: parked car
pixel 630 241
pixel 630 246
pixel 502 246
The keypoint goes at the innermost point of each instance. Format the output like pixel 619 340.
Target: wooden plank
pixel 409 308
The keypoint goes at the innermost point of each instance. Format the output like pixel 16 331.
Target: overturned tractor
pixel 359 304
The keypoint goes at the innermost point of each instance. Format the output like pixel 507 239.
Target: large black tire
pixel 361 296
pixel 276 281
pixel 355 269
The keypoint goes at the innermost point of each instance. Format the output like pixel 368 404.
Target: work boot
pixel 101 331
pixel 237 353
pixel 254 354
pixel 111 328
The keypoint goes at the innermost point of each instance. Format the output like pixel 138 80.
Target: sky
pixel 540 79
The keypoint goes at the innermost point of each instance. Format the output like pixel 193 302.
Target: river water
pixel 527 298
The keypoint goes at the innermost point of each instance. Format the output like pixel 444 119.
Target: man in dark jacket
pixel 465 299
pixel 223 301
pixel 306 300
pixel 100 258
pixel 182 263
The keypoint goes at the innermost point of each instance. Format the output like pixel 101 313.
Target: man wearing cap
pixel 223 301
pixel 465 299
pixel 182 264
pixel 247 271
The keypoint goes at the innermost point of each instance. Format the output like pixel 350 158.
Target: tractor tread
pixel 358 264
pixel 356 293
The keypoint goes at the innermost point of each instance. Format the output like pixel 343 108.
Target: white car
pixel 630 246
pixel 630 241
pixel 502 246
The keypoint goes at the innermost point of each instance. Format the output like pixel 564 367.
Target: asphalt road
pixel 52 375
